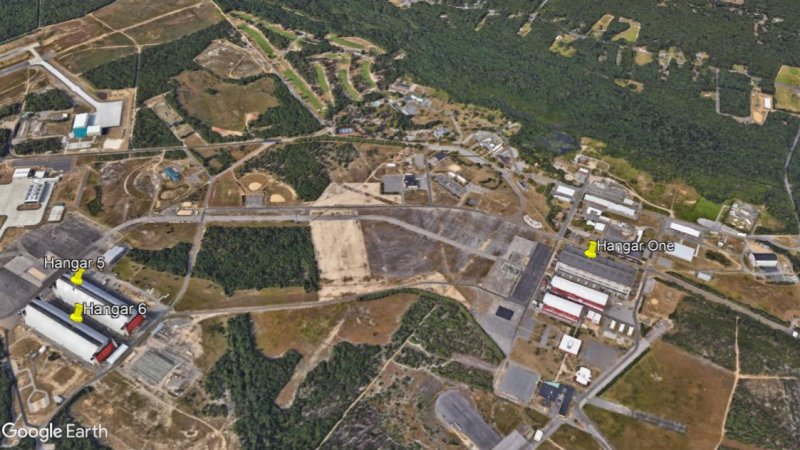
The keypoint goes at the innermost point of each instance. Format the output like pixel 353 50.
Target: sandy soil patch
pixel 341 251
pixel 355 194
pixel 277 198
pixel 454 168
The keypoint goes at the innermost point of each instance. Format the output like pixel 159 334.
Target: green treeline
pixel 162 62
pixel 38 146
pixel 254 381
pixel 258 257
pixel 9 110
pixel 5 141
pixel 54 11
pixel 217 163
pixel 667 130
pixel 734 93
pixel 117 74
pixel 25 16
pixel 50 100
pixel 304 165
pixel 174 260
pixel 6 383
pixel 291 118
pixel 151 131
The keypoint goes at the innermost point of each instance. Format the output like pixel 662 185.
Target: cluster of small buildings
pixel 105 310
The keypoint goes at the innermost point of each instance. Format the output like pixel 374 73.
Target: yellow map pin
pixel 77 315
pixel 77 279
pixel 591 252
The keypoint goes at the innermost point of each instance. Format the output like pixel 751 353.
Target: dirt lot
pixel 94 54
pixel 340 250
pixel 226 60
pixel 673 384
pixel 176 25
pixel 782 301
pixel 661 302
pixel 226 191
pixel 155 236
pixel 127 187
pixel 220 104
pixel 140 419
pixel 125 13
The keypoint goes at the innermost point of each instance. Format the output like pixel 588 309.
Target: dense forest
pixel 117 74
pixel 49 100
pixel 174 260
pixel 304 165
pixel 734 93
pixel 162 62
pixel 54 11
pixel 5 141
pixel 151 131
pixel 38 146
pixel 25 17
pixel 258 258
pixel 291 118
pixel 9 110
pixel 218 162
pixel 667 130
pixel 253 380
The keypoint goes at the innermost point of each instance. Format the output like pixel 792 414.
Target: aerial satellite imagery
pixel 400 224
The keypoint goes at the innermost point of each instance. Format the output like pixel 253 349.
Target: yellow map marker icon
pixel 77 315
pixel 591 252
pixel 77 279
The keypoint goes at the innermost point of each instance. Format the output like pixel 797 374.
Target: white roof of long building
pixel 568 191
pixel 683 252
pixel 691 231
pixel 55 324
pixel 611 206
pixel 580 290
pixel 562 304
pixel 91 294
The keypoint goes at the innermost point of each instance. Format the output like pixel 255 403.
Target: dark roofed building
pixel 504 313
pixel 552 391
pixel 601 270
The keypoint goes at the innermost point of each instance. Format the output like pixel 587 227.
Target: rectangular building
pixel 119 315
pixel 577 292
pixel 562 308
pixel 685 229
pixel 79 339
pixel 602 270
pixel 763 260
pixel 611 206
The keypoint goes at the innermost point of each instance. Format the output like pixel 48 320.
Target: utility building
pixel 573 291
pixel 763 260
pixel 562 308
pixel 117 314
pixel 602 271
pixel 79 339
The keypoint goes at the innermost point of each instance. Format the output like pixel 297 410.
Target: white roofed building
pixel 570 345
pixel 685 229
pixel 573 291
pixel 683 252
pixel 79 339
pixel 92 296
pixel 562 308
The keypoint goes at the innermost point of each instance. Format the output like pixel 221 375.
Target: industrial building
pixel 553 392
pixel 77 338
pixel 119 316
pixel 570 345
pixel 562 308
pixel 577 292
pixel 763 260
pixel 38 191
pixel 617 208
pixel 685 229
pixel 602 270
pixel 683 252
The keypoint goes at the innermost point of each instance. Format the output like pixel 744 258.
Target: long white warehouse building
pixel 562 307
pixel 77 338
pixel 579 293
pixel 93 296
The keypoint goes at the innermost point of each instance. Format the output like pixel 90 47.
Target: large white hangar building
pixel 91 295
pixel 79 339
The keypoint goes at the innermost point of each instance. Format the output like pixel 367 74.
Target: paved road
pixel 456 412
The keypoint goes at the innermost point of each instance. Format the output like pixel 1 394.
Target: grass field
pixel 626 433
pixel 220 104
pixel 259 39
pixel 631 34
pixel 173 26
pixel 279 30
pixel 787 84
pixel 702 208
pixel 304 91
pixel 599 28
pixel 322 80
pixel 366 73
pixel 778 300
pixel 676 385
pixel 343 75
pixel 344 42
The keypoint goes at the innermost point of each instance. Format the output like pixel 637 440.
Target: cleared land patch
pixel 221 104
pixel 675 385
pixel 787 88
